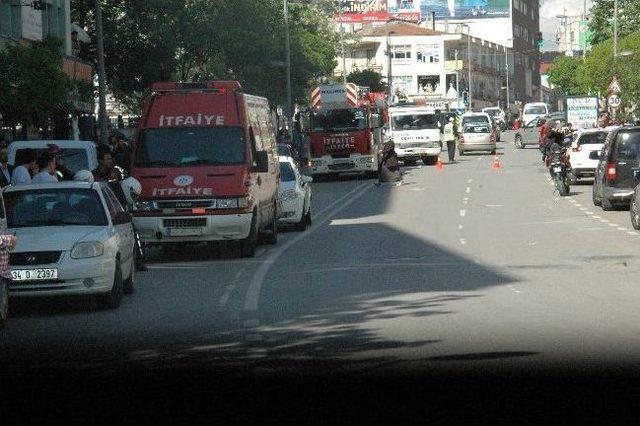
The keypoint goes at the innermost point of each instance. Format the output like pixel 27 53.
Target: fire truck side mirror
pixel 262 162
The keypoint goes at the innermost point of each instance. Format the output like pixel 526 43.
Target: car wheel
pixel 249 244
pixel 594 196
pixel 128 283
pixel 606 204
pixel 112 299
pixel 4 302
pixel 271 237
pixel 635 213
pixel 302 225
pixel 308 217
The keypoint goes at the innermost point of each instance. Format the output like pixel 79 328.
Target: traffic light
pixel 39 5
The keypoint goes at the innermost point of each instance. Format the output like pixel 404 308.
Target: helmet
pixel 132 189
pixel 83 176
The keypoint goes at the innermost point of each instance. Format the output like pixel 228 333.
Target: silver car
pixel 476 133
pixel 74 238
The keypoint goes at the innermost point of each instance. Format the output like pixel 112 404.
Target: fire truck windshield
pixel 190 146
pixel 338 120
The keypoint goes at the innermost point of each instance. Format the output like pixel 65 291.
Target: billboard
pixel 466 9
pixel 582 112
pixel 358 11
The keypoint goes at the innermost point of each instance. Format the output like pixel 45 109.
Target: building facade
pixel 431 64
pixel 572 35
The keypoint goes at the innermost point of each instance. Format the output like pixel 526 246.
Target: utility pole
pixel 506 69
pixel 584 32
pixel 389 74
pixel 102 79
pixel 455 53
pixel 287 45
pixel 615 29
pixel 344 54
pixel 470 92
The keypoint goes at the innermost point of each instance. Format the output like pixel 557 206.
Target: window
pixel 592 138
pixel 113 204
pixel 74 159
pixel 286 172
pixel 401 53
pixel 199 146
pixel 339 119
pixel 627 146
pixel 415 122
pixel 428 53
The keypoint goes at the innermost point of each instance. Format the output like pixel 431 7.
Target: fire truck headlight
pixel 144 205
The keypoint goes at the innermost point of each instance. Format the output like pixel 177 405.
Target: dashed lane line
pixel 463 213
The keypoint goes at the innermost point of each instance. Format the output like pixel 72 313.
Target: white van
pixel 416 134
pixel 77 155
pixel 534 110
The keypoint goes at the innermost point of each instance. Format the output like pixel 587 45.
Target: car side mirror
pixel 594 155
pixel 262 162
pixel 122 218
pixel 306 179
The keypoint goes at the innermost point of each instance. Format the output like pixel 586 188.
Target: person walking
pixel 26 165
pixel 5 176
pixel 7 244
pixel 47 167
pixel 449 137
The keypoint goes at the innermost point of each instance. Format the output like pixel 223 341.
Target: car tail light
pixel 612 171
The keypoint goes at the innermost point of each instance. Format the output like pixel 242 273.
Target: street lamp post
pixel 506 69
pixel 287 44
pixel 344 57
pixel 389 73
pixel 470 84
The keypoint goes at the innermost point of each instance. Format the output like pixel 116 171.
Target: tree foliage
pixel 33 86
pixel 368 78
pixel 200 40
pixel 601 19
pixel 564 72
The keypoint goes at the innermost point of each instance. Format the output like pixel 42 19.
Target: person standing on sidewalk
pixel 449 137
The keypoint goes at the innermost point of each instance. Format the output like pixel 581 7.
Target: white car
pixel 584 144
pixel 74 238
pixel 295 195
pixel 476 133
pixel 534 110
pixel 76 155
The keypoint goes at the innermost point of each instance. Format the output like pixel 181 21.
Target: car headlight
pixel 289 194
pixel 87 249
pixel 144 205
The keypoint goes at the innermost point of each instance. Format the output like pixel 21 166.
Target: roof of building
pixel 399 28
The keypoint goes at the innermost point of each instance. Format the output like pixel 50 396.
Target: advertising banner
pixel 466 9
pixel 582 112
pixel 358 11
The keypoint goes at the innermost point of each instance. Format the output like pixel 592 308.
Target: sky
pixel 548 21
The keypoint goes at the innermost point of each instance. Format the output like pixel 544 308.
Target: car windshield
pixel 535 109
pixel 338 119
pixel 74 159
pixel 415 122
pixel 54 207
pixel 592 138
pixel 191 146
pixel 475 124
pixel 286 172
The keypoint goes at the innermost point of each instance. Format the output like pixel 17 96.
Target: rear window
pixel 535 110
pixel 476 124
pixel 627 146
pixel 191 146
pixel 74 159
pixel 592 138
pixel 286 172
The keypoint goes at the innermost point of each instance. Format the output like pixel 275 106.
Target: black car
pixel 614 182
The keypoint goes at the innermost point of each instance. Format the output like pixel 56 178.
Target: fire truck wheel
pixel 249 244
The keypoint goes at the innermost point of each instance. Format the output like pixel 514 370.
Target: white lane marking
pixel 493 205
pixel 597 217
pixel 460 226
pixel 226 295
pixel 584 209
pixel 468 190
pixel 571 200
pixel 623 229
pixel 463 241
pixel 383 218
pixel 632 233
pixel 549 222
pixel 578 205
pixel 613 225
pixel 590 229
pixel 589 213
pixel 261 251
pixel 255 285
pixel 470 181
pixel 512 288
pixel 604 221
pixel 463 213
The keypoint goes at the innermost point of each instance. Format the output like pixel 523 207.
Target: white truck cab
pixel 416 133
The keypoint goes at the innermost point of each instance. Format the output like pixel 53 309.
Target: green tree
pixel 368 78
pixel 565 73
pixel 210 39
pixel 33 86
pixel 601 19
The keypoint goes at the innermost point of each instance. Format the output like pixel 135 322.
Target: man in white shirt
pixel 47 165
pixel 26 161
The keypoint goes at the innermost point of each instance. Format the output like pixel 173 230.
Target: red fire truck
pixel 344 130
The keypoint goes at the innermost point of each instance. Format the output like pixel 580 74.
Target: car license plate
pixel 34 274
pixel 557 169
pixel 184 232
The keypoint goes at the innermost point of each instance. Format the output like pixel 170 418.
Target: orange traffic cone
pixel 497 165
pixel 439 164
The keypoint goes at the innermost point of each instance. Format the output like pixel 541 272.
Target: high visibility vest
pixel 448 132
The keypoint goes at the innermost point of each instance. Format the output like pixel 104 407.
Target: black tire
pixel 596 200
pixel 4 303
pixel 493 152
pixel 573 179
pixel 308 217
pixel 607 206
pixel 634 210
pixel 271 236
pixel 112 299
pixel 128 284
pixel 562 187
pixel 302 225
pixel 249 244
pixel 518 142
pixel 460 153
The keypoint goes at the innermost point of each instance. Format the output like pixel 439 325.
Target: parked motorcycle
pixel 557 162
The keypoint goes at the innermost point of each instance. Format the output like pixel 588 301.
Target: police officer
pixel 449 137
